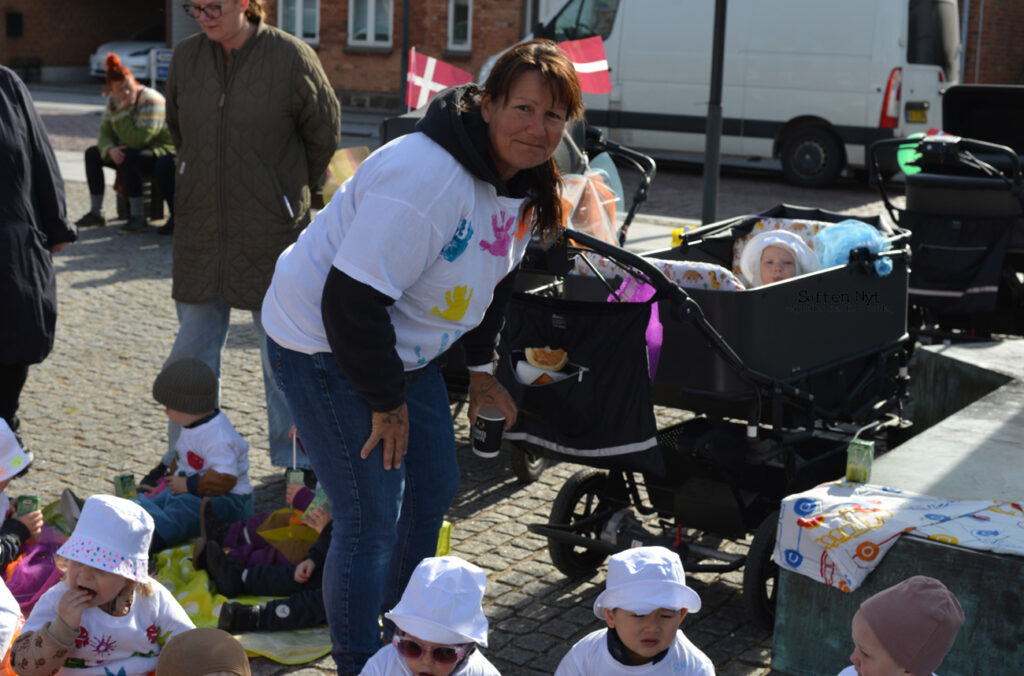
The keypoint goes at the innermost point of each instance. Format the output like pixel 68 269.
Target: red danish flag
pixel 427 76
pixel 591 64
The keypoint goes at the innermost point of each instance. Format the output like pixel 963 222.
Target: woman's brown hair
pixel 544 57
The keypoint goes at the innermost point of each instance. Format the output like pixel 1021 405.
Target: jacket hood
pixel 463 133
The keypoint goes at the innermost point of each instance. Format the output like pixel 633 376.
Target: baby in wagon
pixel 776 255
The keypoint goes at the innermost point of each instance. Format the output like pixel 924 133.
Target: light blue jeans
pixel 202 333
pixel 176 517
pixel 385 521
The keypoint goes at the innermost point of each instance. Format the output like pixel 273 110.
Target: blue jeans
pixel 202 333
pixel 385 521
pixel 176 517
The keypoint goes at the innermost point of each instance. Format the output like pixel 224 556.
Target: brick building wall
pixel 373 77
pixel 64 33
pixel 994 28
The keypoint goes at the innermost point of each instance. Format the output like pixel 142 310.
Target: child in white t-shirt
pixel 905 629
pixel 212 460
pixel 644 602
pixel 440 624
pixel 106 616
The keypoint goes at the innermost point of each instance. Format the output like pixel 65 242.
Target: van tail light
pixel 942 76
pixel 890 116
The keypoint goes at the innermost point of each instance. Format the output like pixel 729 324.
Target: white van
pixel 809 83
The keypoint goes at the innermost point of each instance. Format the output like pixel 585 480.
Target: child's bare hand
pixel 290 491
pixel 317 519
pixel 72 605
pixel 304 571
pixel 178 484
pixel 33 521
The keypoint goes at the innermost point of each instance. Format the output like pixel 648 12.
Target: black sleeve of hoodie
pixel 480 343
pixel 362 340
pixel 12 536
pixel 318 551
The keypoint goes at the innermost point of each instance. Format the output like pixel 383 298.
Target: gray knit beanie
pixel 187 385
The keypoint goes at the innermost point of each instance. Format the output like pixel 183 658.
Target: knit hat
pixel 644 579
pixel 13 458
pixel 112 534
pixel 750 257
pixel 442 602
pixel 201 651
pixel 916 621
pixel 188 386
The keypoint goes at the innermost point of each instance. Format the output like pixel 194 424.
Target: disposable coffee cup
pixel 486 433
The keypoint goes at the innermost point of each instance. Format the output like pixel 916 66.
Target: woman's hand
pixel 33 521
pixel 116 154
pixel 57 248
pixel 391 429
pixel 485 390
pixel 72 605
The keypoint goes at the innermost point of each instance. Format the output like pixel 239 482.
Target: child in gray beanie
pixel 905 629
pixel 212 457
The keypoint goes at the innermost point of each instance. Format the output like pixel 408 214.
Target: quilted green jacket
pixel 252 136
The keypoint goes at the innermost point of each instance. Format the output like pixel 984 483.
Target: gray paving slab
pixel 89 415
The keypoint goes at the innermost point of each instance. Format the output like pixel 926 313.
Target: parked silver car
pixel 133 52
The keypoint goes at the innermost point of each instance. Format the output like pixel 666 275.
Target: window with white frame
pixel 460 25
pixel 370 23
pixel 301 18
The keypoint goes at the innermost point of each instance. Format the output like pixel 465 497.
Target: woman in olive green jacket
pixel 255 122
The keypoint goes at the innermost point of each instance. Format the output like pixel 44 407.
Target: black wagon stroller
pixel 778 379
pixel 965 212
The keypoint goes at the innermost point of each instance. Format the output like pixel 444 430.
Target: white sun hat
pixel 750 259
pixel 442 602
pixel 13 458
pixel 644 579
pixel 112 534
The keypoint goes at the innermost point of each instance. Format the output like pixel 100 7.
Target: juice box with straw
pixel 319 500
pixel 859 456
pixel 27 504
pixel 124 485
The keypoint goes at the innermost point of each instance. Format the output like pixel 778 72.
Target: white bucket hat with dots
pixel 13 458
pixel 112 534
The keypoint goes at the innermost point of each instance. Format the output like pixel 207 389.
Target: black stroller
pixel 778 378
pixel 965 212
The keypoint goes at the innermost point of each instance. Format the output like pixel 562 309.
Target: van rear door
pixel 932 63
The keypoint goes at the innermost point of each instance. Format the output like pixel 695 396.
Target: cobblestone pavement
pixel 88 415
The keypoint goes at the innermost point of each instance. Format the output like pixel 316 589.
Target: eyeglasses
pixel 212 10
pixel 406 647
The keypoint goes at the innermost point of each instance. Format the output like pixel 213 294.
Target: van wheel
pixel 811 157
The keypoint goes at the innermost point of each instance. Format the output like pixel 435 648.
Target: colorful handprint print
pixel 502 226
pixel 460 241
pixel 458 303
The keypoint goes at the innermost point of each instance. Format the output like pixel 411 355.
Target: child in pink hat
pixel 905 629
pixel 644 603
pixel 106 616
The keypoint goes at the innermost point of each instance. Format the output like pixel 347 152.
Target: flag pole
pixel 406 64
pixel 408 82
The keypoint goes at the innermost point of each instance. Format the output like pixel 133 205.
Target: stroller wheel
pixel 761 574
pixel 527 466
pixel 582 496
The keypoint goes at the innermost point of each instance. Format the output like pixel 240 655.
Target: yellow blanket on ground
pixel 192 589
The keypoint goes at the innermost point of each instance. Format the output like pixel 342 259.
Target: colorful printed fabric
pixel 687 274
pixel 838 532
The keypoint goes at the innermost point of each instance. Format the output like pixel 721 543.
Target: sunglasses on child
pixel 443 654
